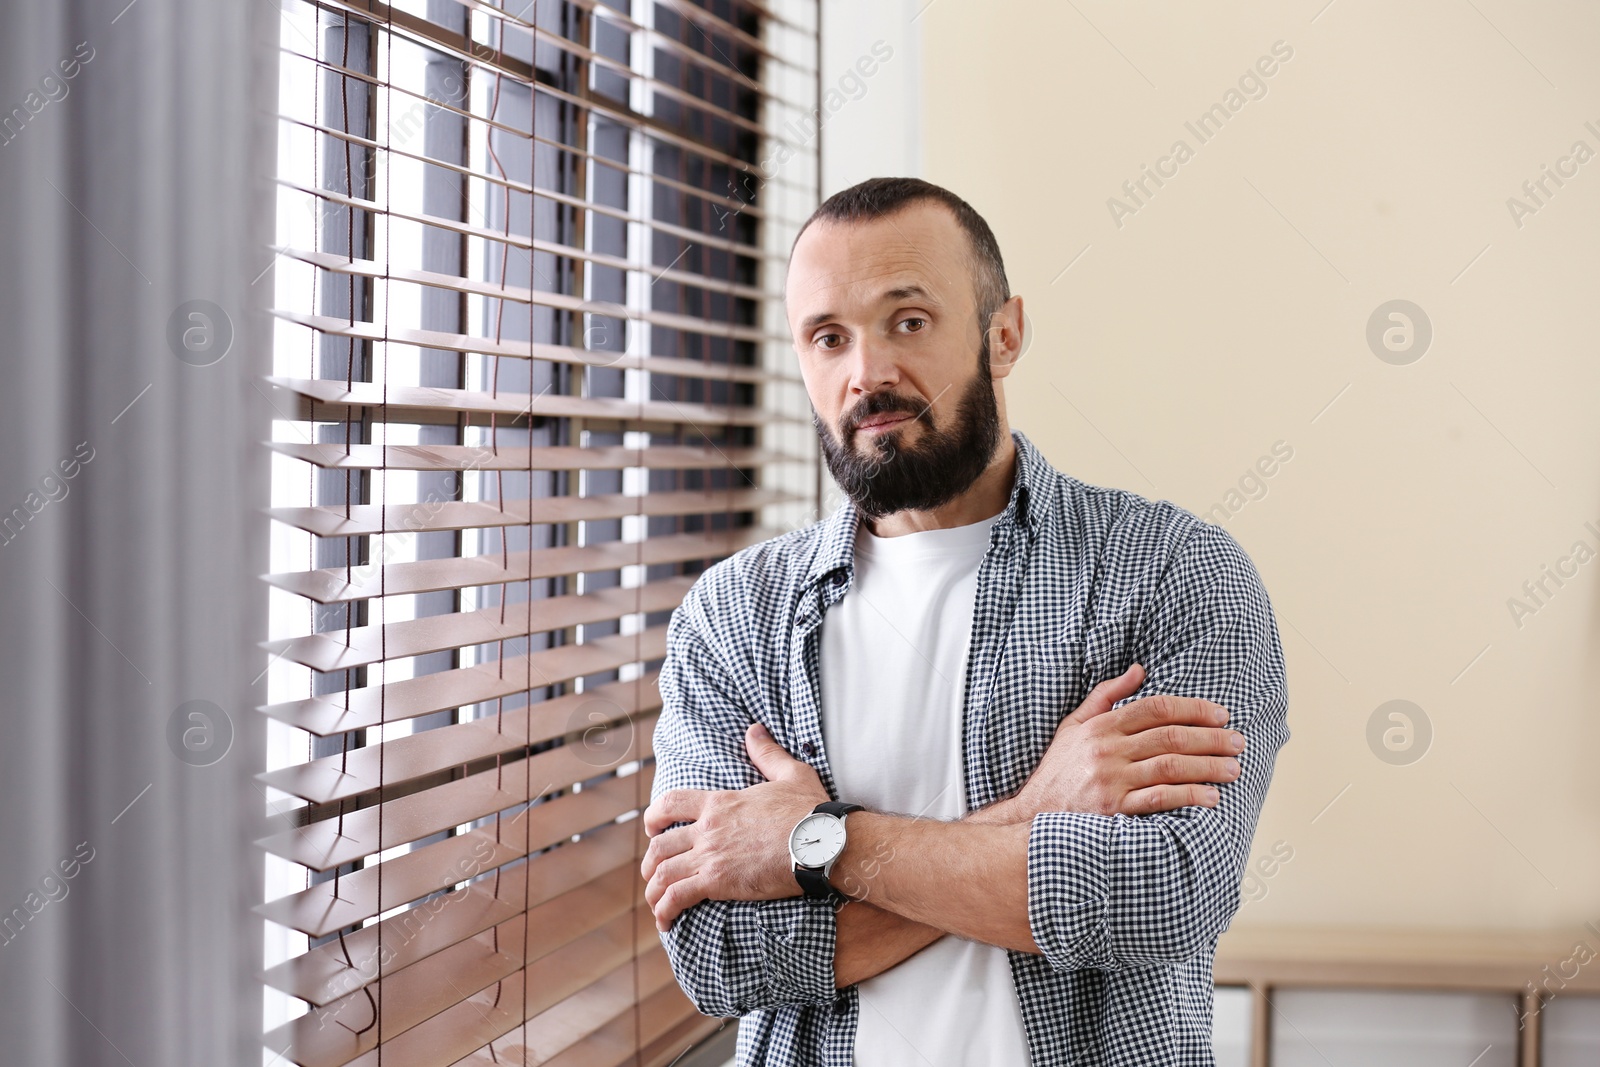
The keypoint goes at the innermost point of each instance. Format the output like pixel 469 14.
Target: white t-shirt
pixel 893 674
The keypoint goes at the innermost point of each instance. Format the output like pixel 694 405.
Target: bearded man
pixel 968 772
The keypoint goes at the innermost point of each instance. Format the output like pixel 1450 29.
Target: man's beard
pixel 883 478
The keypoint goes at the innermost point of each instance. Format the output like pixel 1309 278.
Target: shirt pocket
pixel 1107 654
pixel 1052 677
pixel 1042 684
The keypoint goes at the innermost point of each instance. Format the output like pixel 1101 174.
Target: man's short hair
pixel 877 197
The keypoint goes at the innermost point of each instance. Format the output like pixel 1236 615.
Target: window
pixel 533 377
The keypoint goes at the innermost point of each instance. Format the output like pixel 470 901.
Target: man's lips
pixel 880 423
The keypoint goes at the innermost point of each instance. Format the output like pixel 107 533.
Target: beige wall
pixel 1229 313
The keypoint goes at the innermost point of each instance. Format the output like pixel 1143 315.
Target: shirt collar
pixel 1027 507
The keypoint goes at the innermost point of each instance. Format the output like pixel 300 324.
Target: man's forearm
pixel 871 941
pixel 967 878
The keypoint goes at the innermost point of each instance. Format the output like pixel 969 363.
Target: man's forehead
pixel 895 255
pixel 868 278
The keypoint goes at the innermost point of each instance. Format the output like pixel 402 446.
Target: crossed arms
pixel 1110 857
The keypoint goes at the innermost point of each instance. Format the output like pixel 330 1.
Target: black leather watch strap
pixel 815 884
pixel 836 807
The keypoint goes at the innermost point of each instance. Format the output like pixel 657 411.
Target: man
pixel 1024 679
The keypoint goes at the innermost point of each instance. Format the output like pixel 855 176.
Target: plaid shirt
pixel 1078 583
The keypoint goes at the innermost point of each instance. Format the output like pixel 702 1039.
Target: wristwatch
pixel 815 843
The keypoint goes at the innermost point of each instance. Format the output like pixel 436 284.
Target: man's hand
pixel 736 846
pixel 1152 755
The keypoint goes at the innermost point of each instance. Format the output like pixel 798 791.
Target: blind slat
pixel 605 734
pixel 354 520
pixel 514 294
pixel 413 404
pixel 324 908
pixel 335 585
pixel 456 342
pixel 333 842
pixel 434 633
pixel 549 458
pixel 364 707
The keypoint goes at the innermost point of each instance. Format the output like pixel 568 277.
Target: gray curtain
pixel 136 145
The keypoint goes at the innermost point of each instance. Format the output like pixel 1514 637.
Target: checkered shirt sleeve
pixel 1119 892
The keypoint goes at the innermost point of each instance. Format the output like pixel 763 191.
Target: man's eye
pixel 914 324
pixel 830 341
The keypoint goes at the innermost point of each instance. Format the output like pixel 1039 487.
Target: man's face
pixel 886 328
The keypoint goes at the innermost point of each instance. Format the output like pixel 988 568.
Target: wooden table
pixel 1533 965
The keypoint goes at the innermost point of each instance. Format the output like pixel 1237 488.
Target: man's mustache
pixel 895 406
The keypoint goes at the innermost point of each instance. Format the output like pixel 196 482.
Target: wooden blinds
pixel 532 376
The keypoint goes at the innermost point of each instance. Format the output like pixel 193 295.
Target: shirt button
pixel 809 749
pixel 841 1006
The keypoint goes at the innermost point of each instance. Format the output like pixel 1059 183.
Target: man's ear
pixel 1008 339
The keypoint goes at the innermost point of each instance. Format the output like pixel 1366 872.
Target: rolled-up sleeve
pixel 1114 892
pixel 730 957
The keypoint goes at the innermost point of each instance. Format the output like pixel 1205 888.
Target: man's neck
pixel 984 498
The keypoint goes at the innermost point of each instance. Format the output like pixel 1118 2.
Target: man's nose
pixel 872 366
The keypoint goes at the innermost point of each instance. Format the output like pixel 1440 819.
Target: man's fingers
pixel 664 846
pixel 1107 693
pixel 770 758
pixel 1184 740
pixel 668 871
pixel 1158 798
pixel 675 805
pixel 1173 769
pixel 1165 709
pixel 679 896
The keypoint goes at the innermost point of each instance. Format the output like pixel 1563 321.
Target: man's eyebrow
pixel 900 292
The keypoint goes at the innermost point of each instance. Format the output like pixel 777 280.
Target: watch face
pixel 818 840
